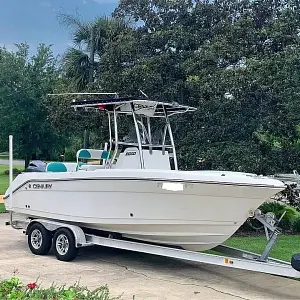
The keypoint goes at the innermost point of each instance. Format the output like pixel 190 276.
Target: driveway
pixel 141 275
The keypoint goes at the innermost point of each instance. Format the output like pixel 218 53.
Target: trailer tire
pixel 64 244
pixel 296 262
pixel 39 239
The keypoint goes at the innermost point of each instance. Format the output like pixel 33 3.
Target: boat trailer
pixel 68 238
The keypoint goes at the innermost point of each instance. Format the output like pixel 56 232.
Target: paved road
pixel 145 276
pixel 17 163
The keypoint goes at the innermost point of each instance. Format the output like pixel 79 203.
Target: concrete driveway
pixel 140 275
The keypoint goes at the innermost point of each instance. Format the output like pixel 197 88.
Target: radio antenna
pixel 144 94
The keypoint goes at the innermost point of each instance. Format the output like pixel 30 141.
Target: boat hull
pixel 199 216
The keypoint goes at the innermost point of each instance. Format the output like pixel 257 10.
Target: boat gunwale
pixel 192 181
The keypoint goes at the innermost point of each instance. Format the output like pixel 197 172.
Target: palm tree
pixel 90 40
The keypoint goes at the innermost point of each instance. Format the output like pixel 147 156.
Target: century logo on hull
pixel 40 186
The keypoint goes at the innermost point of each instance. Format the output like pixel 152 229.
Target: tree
pixel 234 60
pixel 82 63
pixel 24 83
pixel 90 40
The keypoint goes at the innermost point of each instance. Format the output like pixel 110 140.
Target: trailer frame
pixel 231 258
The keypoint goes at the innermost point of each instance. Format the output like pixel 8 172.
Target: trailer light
pixel 172 186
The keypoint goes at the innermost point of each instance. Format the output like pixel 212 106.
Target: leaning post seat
pixel 61 167
pixel 91 154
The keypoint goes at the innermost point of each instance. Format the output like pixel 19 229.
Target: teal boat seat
pixel 91 154
pixel 56 167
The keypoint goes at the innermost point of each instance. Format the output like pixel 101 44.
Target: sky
pixel 35 21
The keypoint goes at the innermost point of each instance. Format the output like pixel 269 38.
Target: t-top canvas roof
pixel 124 105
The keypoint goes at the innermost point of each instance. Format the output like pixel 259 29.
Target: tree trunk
pixel 86 137
pixel 91 80
pixel 92 56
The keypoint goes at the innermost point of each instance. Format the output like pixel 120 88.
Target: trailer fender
pixel 52 226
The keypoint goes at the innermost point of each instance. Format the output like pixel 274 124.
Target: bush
pixel 288 222
pixel 70 156
pixel 15 172
pixel 290 195
pixel 13 289
pixel 278 209
pixel 296 225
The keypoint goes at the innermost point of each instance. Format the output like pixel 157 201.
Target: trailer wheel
pixel 64 244
pixel 296 262
pixel 39 239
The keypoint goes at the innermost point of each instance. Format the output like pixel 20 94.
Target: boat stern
pixel 7 199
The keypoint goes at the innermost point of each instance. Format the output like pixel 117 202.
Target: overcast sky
pixel 35 21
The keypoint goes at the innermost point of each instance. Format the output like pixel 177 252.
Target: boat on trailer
pixel 136 189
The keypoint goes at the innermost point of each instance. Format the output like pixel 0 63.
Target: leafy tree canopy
pixel 24 83
pixel 236 61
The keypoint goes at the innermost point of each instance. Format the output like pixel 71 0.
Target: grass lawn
pixel 2 208
pixel 286 246
pixel 4 179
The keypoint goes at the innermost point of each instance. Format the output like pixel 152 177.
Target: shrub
pixel 13 289
pixel 70 156
pixel 278 209
pixel 15 172
pixel 290 195
pixel 296 225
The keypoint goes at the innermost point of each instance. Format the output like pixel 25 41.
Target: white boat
pixel 136 189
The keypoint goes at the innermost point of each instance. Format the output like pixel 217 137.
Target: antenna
pixel 64 94
pixel 144 94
